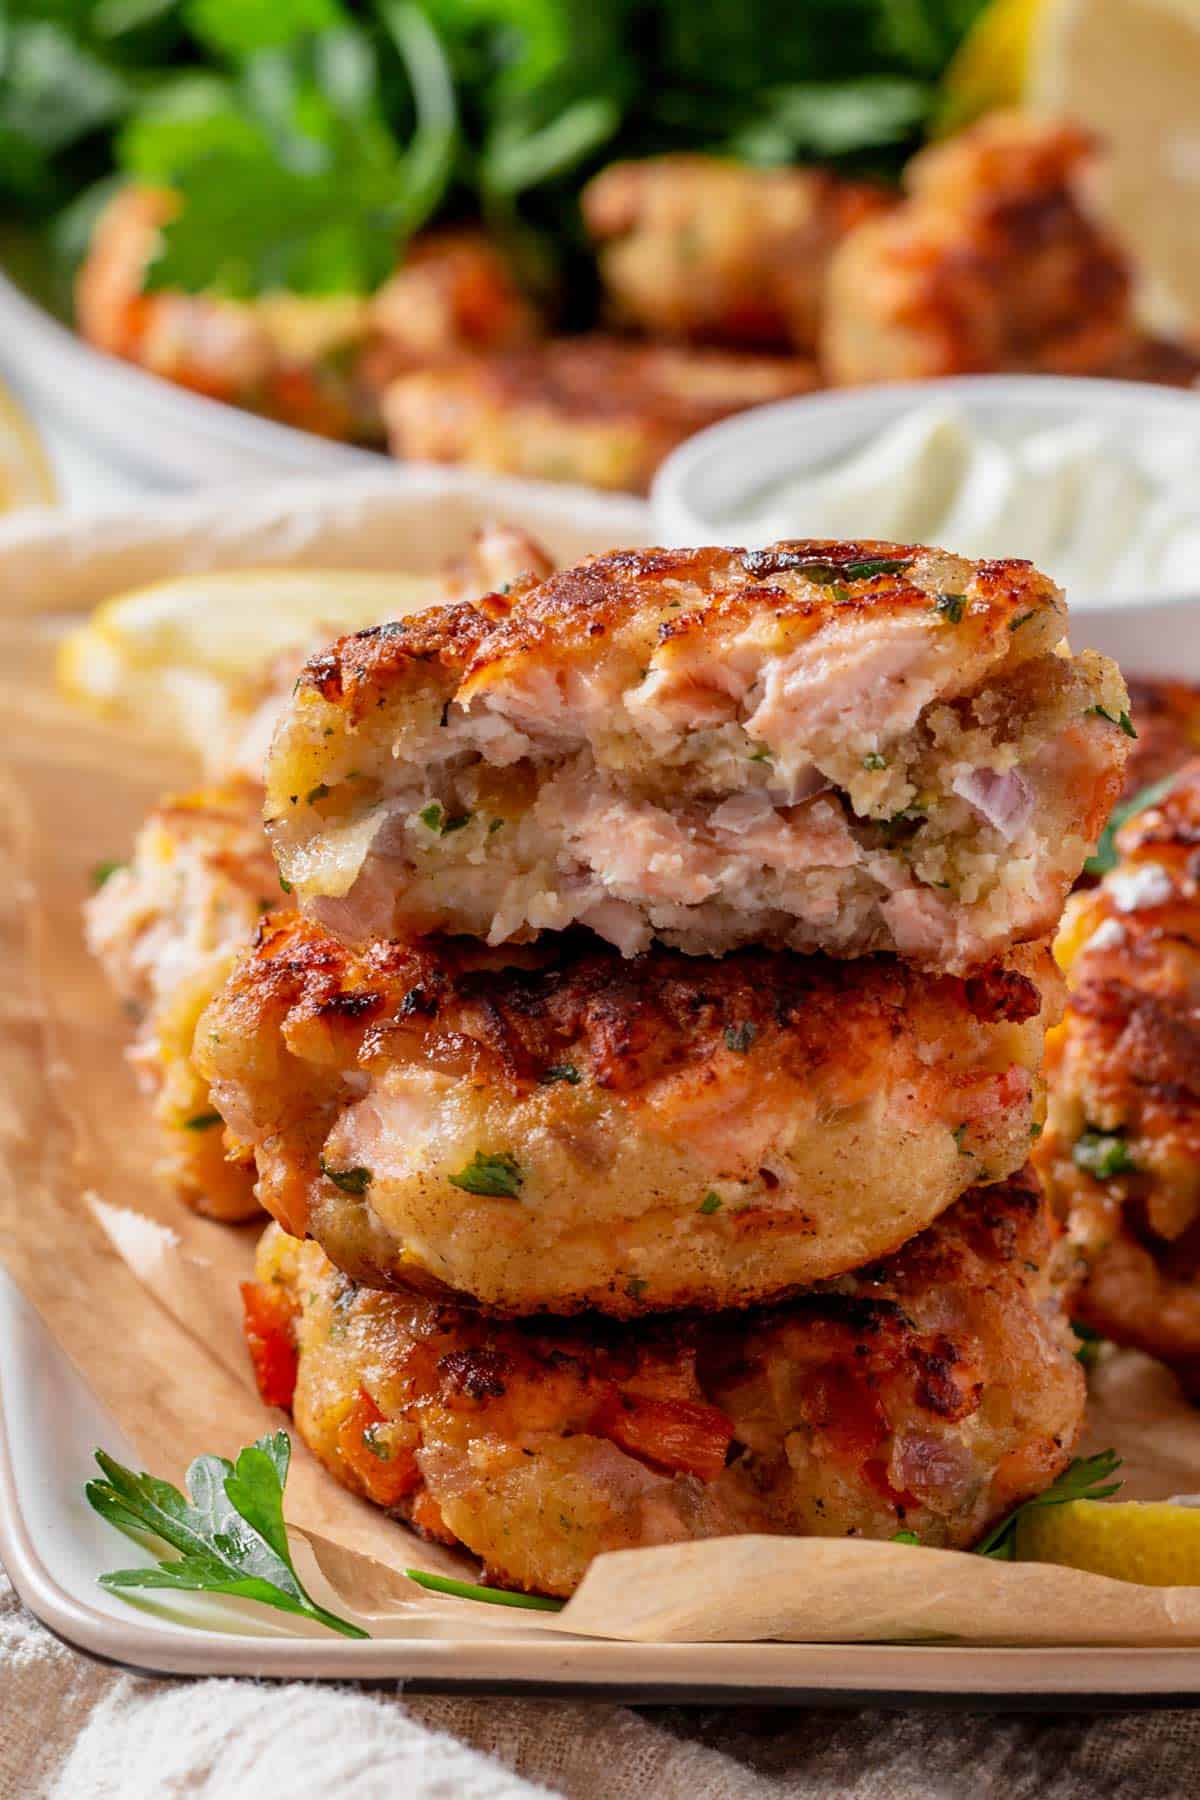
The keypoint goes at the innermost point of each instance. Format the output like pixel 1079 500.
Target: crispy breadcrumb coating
pixel 594 410
pixel 1121 1152
pixel 700 249
pixel 993 262
pixel 836 747
pixel 930 1393
pixel 561 1128
pixel 166 928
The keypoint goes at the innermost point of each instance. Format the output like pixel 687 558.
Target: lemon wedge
pixel 990 66
pixel 183 657
pixel 26 478
pixel 1130 71
pixel 1155 1542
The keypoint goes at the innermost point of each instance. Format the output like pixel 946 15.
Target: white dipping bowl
pixel 724 474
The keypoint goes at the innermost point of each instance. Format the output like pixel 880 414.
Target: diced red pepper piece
pixel 385 1473
pixel 269 1324
pixel 680 1435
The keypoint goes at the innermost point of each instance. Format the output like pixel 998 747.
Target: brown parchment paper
pixel 141 1294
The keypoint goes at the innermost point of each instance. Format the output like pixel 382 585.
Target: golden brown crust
pixel 992 262
pixel 651 1132
pixel 166 929
pixel 932 1392
pixel 701 249
pixel 1121 1152
pixel 596 410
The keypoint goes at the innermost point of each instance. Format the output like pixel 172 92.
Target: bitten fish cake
pixel 559 1128
pixel 836 747
pixel 166 927
pixel 930 1393
pixel 1121 1152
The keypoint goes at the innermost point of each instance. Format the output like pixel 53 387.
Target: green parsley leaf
pixel 285 885
pixel 1123 722
pixel 866 571
pixel 471 1590
pixel 763 755
pixel 370 1438
pixel 958 1134
pixel 951 607
pixel 560 1072
pixel 873 760
pixel 1036 1130
pixel 498 1175
pixel 1103 1154
pixel 203 1121
pixel 104 871
pixel 1105 857
pixel 494 825
pixel 905 1537
pixel 740 1037
pixel 1016 624
pixel 228 1529
pixel 711 1202
pixel 350 1181
pixel 1090 1344
pixel 1087 1478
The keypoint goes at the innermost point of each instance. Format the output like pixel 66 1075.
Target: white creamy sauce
pixel 1098 512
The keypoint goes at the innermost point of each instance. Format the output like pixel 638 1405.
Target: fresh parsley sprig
pixel 1105 857
pixel 1087 1478
pixel 228 1529
pixel 471 1590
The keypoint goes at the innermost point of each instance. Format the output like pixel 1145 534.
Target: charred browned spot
pixel 349 1006
pixel 998 993
pixel 478 1373
pixel 942 1386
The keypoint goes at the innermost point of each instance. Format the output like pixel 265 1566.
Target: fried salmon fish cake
pixel 166 928
pixel 835 747
pixel 594 410
pixel 1121 1152
pixel 992 262
pixel 932 1392
pixel 694 247
pixel 572 1129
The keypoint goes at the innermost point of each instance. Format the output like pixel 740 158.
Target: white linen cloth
pixel 75 1729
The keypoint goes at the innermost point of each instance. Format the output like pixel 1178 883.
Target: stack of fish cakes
pixel 654 1056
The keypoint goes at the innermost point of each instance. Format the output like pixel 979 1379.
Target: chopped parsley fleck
pixel 498 1175
pixel 905 1537
pixel 1123 722
pixel 104 871
pixel 823 573
pixel 740 1037
pixel 442 823
pixel 959 1133
pixel 1036 1130
pixel 494 825
pixel 763 755
pixel 561 1072
pixel 371 1442
pixel 285 884
pixel 1090 1343
pixel 320 792
pixel 1104 857
pixel 951 607
pixel 839 593
pixel 874 761
pixel 1103 1154
pixel 1016 624
pixel 711 1202
pixel 350 1181
pixel 635 1287
pixel 864 571
pixel 202 1121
